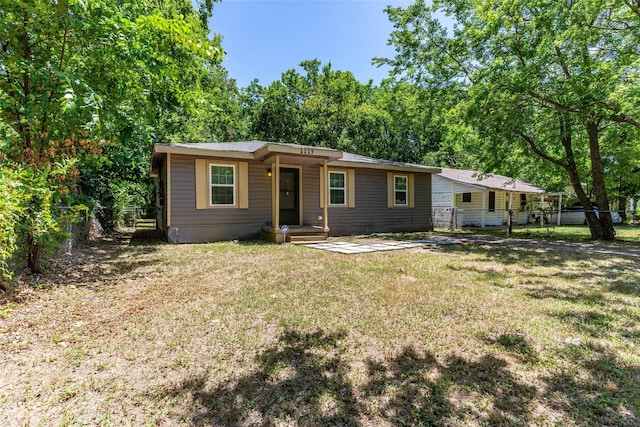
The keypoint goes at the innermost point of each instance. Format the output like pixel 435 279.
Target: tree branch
pixel 556 104
pixel 562 62
pixel 531 143
pixel 623 118
pixel 635 8
pixel 452 57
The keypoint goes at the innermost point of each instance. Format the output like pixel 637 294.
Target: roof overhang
pixel 381 166
pixel 481 187
pixel 266 153
pixel 194 151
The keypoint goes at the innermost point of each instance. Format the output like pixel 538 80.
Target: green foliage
pixel 551 86
pixel 327 107
pixel 84 85
pixel 11 210
pixel 30 200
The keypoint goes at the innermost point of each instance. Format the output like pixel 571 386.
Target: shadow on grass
pixel 618 275
pixel 304 378
pixel 598 389
pixel 146 237
pixel 517 345
pixel 101 262
pixel 420 390
pixel 593 297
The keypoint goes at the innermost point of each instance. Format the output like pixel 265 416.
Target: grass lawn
pixel 257 334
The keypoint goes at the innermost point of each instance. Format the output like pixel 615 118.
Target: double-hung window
pixel 223 185
pixel 400 190
pixel 337 188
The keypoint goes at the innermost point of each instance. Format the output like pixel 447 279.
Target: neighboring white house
pixel 470 198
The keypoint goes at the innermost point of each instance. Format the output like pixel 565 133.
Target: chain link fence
pixel 571 221
pixel 138 218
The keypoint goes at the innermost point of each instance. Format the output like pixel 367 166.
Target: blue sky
pixel 264 38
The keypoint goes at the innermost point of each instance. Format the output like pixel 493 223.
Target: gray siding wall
pixel 371 214
pixel 206 225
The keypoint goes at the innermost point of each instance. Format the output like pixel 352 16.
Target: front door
pixel 289 196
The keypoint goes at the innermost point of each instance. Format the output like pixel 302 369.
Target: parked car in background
pixel 574 215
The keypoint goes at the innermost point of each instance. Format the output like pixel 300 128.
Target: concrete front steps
pixel 305 239
pixel 304 234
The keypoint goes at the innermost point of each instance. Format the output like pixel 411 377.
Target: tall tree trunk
pixel 567 142
pixel 622 202
pixel 33 256
pixel 597 172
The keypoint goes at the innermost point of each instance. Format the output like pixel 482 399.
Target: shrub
pixel 29 213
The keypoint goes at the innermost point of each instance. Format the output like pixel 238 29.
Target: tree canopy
pixel 326 107
pixel 83 86
pixel 554 80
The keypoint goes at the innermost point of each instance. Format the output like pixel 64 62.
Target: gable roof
pixel 489 181
pixel 259 150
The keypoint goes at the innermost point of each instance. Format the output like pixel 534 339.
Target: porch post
pixel 276 195
pixel 484 206
pixel 453 194
pixel 325 185
pixel 559 207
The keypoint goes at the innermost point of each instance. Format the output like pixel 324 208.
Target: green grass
pixel 253 333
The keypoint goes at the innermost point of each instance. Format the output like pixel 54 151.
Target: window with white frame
pixel 223 185
pixel 337 188
pixel 400 190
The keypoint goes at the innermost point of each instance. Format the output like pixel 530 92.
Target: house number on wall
pixel 306 151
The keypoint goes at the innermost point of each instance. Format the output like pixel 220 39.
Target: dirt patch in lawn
pixel 135 331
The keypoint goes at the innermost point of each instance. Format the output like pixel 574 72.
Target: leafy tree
pixel 556 80
pixel 327 107
pixel 81 84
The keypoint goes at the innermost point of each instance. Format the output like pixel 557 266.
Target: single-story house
pixel 470 198
pixel 245 190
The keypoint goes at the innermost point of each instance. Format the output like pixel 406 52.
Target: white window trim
pixel 211 185
pixel 344 189
pixel 406 190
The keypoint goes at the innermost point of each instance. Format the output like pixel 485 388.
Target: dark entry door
pixel 289 196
